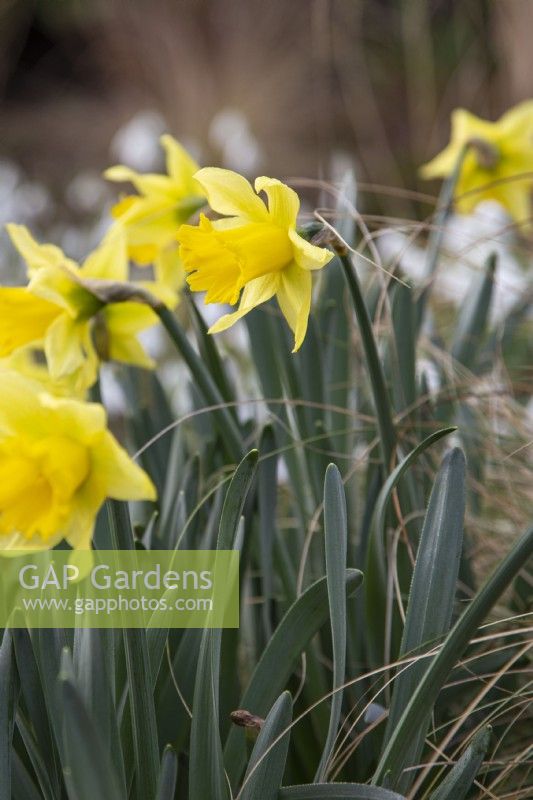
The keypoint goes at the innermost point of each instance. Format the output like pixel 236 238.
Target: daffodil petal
pixel 128 350
pixel 34 254
pixel 130 317
pixel 13 544
pixel 230 194
pixel 180 165
pixel 123 321
pixel 80 527
pixel 24 318
pixel 161 290
pixel 169 272
pixel 110 260
pixel 119 476
pixel 147 184
pixel 254 293
pixel 465 126
pixel 518 121
pixel 283 202
pixel 26 407
pixel 308 256
pixel 58 286
pixel 64 346
pixel 442 165
pixel 63 462
pixel 514 196
pixel 294 298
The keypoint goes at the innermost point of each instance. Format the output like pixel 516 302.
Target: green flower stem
pixel 387 432
pixel 226 423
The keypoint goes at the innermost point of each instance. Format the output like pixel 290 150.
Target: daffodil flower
pixel 31 363
pixel 63 308
pixel 255 248
pixel 497 163
pixel 58 463
pixel 152 217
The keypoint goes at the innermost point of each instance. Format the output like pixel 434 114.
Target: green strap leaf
pixel 336 537
pixel 267 499
pixel 168 776
pixel 433 588
pixel 210 354
pixel 87 765
pixel 403 321
pixel 472 322
pixel 139 672
pixel 380 394
pixel 459 780
pixel 227 426
pixel 23 787
pixel 438 228
pixel 40 767
pixel 93 658
pixel 206 763
pixel 235 498
pixel 303 619
pixel 375 571
pixel 337 791
pixel 206 767
pixel 427 691
pixel 9 694
pixel 267 763
pixel 34 701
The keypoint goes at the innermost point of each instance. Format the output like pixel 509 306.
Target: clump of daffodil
pixel 152 217
pixel 496 155
pixel 58 463
pixel 255 248
pixel 69 311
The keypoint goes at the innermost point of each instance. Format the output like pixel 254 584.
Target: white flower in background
pixel 468 240
pixel 87 193
pixel 137 142
pixel 21 199
pixel 230 134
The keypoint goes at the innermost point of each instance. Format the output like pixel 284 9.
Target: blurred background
pixel 299 88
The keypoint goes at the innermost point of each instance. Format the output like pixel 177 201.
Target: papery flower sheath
pixel 61 310
pixel 497 164
pixel 152 217
pixel 58 463
pixel 255 249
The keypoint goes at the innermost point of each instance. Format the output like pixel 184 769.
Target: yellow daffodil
pixel 152 217
pixel 31 362
pixel 497 155
pixel 58 463
pixel 255 248
pixel 62 310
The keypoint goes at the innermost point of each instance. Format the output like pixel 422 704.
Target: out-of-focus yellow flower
pixel 60 309
pixel 255 249
pixel 58 463
pixel 497 154
pixel 152 217
pixel 31 362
